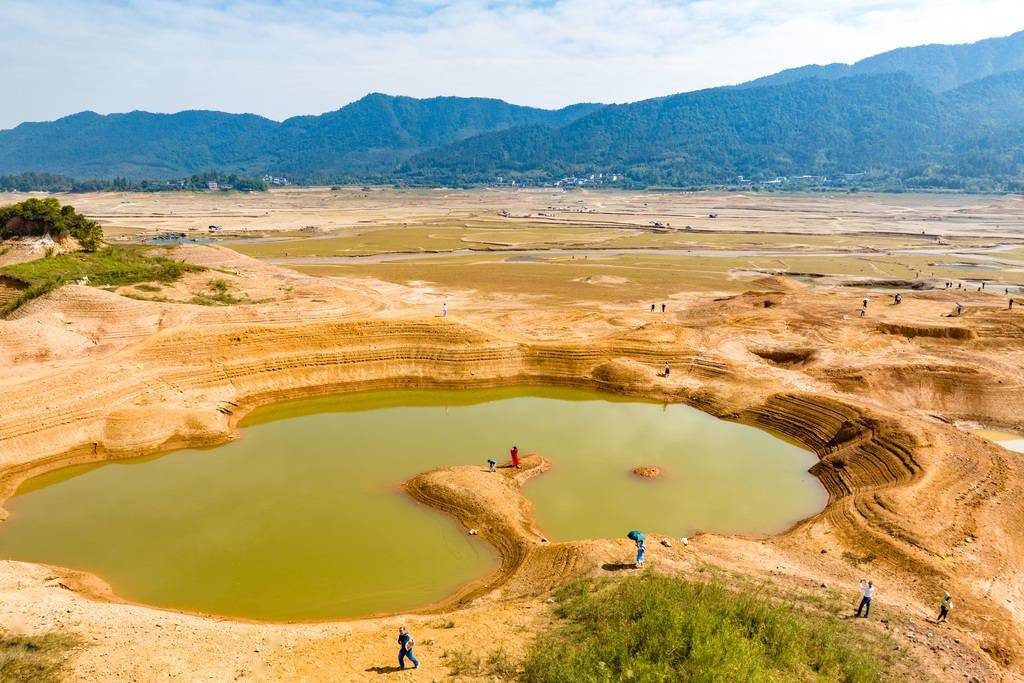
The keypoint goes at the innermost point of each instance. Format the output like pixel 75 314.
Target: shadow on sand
pixel 384 669
pixel 610 567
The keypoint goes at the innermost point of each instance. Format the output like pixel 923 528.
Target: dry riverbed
pixel 773 341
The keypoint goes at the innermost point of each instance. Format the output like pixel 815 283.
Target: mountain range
pixel 935 115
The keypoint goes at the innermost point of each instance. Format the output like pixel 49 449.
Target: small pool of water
pixel 303 518
pixel 1008 440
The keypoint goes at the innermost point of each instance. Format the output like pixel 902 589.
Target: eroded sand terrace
pixel 916 502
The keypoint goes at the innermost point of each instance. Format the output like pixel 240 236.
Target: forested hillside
pixel 369 136
pixel 885 124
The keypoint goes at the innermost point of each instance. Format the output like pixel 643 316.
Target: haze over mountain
pixel 944 116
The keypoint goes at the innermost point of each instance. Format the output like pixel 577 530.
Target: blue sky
pixel 285 57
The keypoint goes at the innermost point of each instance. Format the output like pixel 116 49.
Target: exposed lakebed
pixel 303 517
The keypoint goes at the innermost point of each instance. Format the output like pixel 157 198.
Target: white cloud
pixel 286 57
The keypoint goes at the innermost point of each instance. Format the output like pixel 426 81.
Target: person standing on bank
pixel 515 456
pixel 868 589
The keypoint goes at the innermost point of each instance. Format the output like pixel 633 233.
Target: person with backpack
pixel 405 643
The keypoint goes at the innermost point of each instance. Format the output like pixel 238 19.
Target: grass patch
pixel 498 664
pixel 653 628
pixel 109 267
pixel 219 294
pixel 462 662
pixel 34 658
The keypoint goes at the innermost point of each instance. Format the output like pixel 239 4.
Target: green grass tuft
pixel 34 658
pixel 653 628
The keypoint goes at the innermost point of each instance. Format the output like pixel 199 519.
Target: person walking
pixel 959 309
pixel 444 310
pixel 405 644
pixel 663 308
pixel 1011 305
pixel 666 368
pixel 865 303
pixel 944 607
pixel 868 589
pixel 515 456
pixel 652 308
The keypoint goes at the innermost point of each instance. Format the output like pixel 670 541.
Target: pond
pixel 303 517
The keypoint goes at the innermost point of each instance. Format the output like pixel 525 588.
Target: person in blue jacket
pixel 405 644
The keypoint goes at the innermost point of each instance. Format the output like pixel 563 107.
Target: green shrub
pixel 654 628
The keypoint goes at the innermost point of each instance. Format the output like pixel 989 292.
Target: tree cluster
pixel 38 217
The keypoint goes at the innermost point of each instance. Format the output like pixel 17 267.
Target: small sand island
pixel 648 471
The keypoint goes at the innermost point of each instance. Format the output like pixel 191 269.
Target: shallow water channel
pixel 303 517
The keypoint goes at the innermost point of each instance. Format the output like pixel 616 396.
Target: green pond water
pixel 303 518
